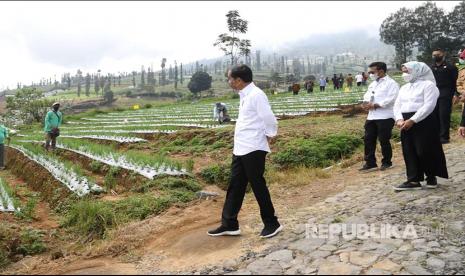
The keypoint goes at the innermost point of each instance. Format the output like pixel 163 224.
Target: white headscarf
pixel 419 71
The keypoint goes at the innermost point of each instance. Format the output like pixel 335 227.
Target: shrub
pixel 31 242
pixel 317 152
pixel 92 218
pixel 218 175
pixel 111 178
pixel 96 166
pixel 4 261
pixel 169 184
pixel 140 207
pixel 28 211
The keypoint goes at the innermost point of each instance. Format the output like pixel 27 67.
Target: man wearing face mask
pixel 446 75
pixel 379 102
pixel 255 127
pixel 53 121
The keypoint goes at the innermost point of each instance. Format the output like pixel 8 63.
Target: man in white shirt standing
pixel 379 101
pixel 255 126
pixel 359 79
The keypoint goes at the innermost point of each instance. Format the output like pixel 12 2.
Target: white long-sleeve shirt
pixel 420 97
pixel 255 123
pixel 384 91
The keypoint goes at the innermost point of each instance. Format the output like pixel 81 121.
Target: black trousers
pixel 422 149
pixel 245 169
pixel 322 88
pixel 444 111
pixel 378 130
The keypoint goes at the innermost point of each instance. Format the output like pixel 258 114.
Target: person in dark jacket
pixel 335 80
pixel 446 75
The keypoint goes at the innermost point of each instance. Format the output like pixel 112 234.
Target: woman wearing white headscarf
pixel 416 117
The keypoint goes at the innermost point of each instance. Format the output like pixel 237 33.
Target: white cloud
pixel 40 39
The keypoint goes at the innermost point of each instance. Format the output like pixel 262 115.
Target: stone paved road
pixel 437 218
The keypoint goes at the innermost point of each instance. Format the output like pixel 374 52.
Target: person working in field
pixel 323 83
pixel 335 80
pixel 296 88
pixel 350 81
pixel 379 101
pixel 255 126
pixel 359 79
pixel 220 113
pixel 53 121
pixel 3 136
pixel 309 86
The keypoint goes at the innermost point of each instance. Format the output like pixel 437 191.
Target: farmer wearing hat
pixel 53 121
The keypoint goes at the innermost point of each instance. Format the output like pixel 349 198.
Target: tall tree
pixel 398 30
pixel 79 78
pixel 457 25
pixel 163 73
pixel 170 73
pixel 430 27
pixel 230 43
pixel 258 61
pixel 87 85
pixel 142 77
pixel 96 85
pixel 175 75
pixel 182 73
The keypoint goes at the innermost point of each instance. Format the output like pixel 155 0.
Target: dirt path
pixel 177 241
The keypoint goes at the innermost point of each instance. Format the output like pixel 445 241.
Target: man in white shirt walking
pixel 379 101
pixel 255 125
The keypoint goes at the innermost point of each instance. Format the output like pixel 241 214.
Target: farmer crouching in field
pixel 3 136
pixel 379 101
pixel 53 121
pixel 220 113
pixel 255 126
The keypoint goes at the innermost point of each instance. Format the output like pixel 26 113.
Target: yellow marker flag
pixel 136 107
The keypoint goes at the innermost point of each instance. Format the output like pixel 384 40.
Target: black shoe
pixel 409 186
pixel 432 183
pixel 385 167
pixel 224 231
pixel 271 231
pixel 367 168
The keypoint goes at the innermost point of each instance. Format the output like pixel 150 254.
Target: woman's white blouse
pixel 419 97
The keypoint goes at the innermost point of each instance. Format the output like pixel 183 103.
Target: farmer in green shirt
pixel 53 121
pixel 3 136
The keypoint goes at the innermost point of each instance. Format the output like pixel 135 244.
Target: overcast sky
pixel 41 39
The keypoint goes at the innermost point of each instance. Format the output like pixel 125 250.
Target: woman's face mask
pixel 462 61
pixel 407 77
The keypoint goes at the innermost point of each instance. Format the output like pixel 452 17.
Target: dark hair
pixel 379 66
pixel 438 50
pixel 243 72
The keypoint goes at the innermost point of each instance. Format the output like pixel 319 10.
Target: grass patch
pixel 26 242
pixel 92 218
pixel 218 175
pixel 316 152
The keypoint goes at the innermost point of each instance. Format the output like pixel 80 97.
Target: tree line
pixel 425 28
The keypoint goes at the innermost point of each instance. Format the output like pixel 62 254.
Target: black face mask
pixel 438 58
pixel 56 108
